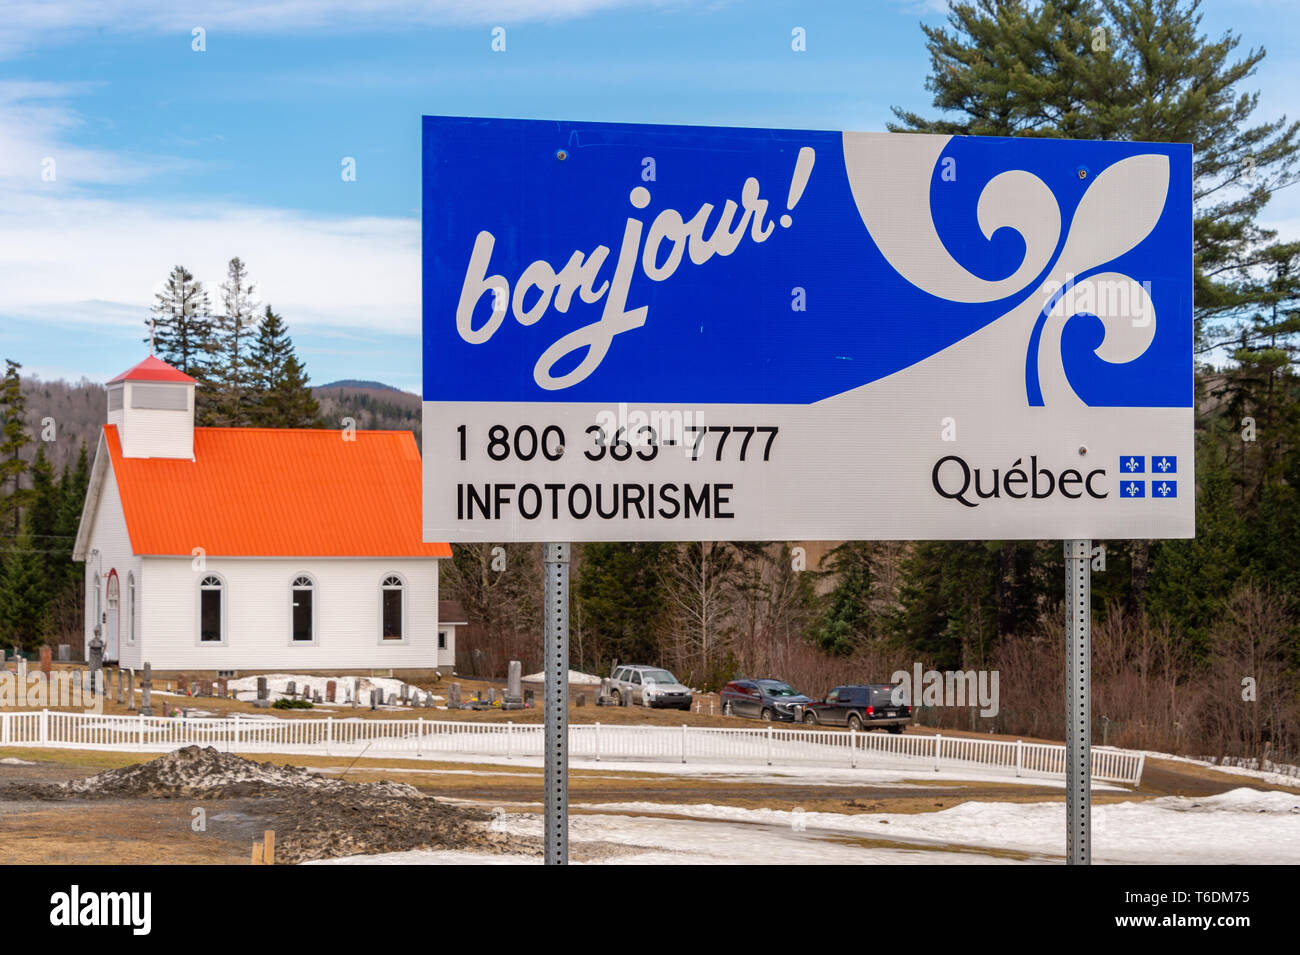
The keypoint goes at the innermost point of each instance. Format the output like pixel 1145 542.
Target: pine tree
pixel 849 620
pixel 949 602
pixel 620 600
pixel 1125 70
pixel 182 332
pixel 13 438
pixel 233 332
pixel 44 514
pixel 72 498
pixel 282 397
pixel 300 409
pixel 1192 580
pixel 22 591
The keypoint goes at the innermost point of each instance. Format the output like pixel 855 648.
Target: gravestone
pixel 514 677
pixel 330 689
pixel 454 702
pixel 183 686
pixel 492 694
pixel 315 696
pixel 223 687
pixel 582 699
pixel 96 661
pixel 262 702
pixel 146 691
pixel 65 653
pixel 45 662
pixel 121 687
pixel 130 690
pixel 21 665
pixel 528 697
pixel 292 688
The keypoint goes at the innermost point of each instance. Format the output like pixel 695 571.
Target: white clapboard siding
pixel 257 595
pixel 109 536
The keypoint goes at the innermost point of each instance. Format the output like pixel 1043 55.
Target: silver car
pixel 649 686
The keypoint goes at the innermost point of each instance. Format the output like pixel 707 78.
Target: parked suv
pixel 762 699
pixel 651 686
pixel 859 706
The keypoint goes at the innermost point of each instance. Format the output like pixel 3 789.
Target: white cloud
pixel 34 129
pixel 72 255
pixel 99 262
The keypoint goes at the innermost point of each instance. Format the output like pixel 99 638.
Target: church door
pixel 110 626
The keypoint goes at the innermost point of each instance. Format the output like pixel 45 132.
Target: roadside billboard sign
pixel 695 333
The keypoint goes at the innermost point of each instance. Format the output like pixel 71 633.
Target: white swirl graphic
pixel 890 174
pixel 1126 312
pixel 1115 215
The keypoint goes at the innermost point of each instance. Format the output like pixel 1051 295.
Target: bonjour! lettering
pixel 669 239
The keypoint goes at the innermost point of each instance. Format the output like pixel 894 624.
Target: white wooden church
pixel 237 550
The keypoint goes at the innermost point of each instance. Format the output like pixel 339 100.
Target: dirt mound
pixel 206 772
pixel 314 816
pixel 322 825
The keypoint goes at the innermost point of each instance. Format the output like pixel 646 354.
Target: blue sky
pixel 164 155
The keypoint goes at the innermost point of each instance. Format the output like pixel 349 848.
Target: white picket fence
pixel 766 745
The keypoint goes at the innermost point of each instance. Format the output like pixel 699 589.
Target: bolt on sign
pixel 697 333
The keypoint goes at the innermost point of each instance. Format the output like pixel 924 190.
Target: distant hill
pixel 358 384
pixel 371 404
pixel 76 411
pixel 73 412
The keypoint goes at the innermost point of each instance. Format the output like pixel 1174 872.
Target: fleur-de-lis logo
pixel 1163 464
pixel 892 177
pixel 1132 488
pixel 1163 489
pixel 1131 464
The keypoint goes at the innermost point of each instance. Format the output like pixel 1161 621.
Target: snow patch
pixel 277 686
pixel 576 677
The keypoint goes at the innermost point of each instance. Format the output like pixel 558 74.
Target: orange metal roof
pixel 152 369
pixel 277 492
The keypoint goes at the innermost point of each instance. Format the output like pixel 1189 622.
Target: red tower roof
pixel 153 369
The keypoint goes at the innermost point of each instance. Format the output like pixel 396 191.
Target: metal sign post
pixel 1078 701
pixel 556 559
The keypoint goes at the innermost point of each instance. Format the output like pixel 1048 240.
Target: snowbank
pixel 1243 826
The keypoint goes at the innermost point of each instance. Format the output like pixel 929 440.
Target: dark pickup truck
pixel 863 706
